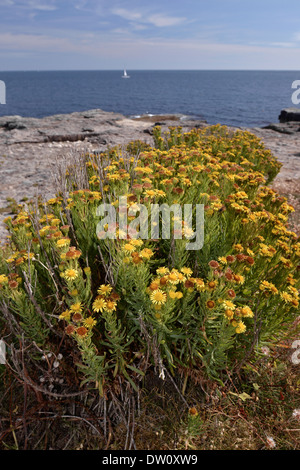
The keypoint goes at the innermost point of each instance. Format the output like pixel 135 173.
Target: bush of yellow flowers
pixel 119 306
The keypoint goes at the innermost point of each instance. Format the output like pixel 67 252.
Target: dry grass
pixel 253 412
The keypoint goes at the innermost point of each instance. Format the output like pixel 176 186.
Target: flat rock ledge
pixel 31 149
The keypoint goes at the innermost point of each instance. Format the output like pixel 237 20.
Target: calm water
pixel 242 98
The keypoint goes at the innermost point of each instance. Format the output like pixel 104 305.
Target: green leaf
pixel 243 396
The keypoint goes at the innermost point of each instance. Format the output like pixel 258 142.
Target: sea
pixel 233 98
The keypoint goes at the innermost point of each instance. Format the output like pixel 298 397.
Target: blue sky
pixel 155 34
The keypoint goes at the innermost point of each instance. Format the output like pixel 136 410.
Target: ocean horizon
pixel 244 98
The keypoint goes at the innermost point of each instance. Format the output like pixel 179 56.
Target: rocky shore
pixel 31 149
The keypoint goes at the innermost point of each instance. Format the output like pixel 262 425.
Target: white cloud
pixel 144 18
pixel 31 4
pixel 162 20
pixel 296 37
pixel 126 14
pixel 282 44
pixel 34 42
pixel 109 50
pixel 37 5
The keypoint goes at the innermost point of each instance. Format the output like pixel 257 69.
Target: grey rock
pixel 15 125
pixel 284 128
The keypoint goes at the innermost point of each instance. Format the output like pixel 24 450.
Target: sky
pixel 149 35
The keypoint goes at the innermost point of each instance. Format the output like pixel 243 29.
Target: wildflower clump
pixel 129 301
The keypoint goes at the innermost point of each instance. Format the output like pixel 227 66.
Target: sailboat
pixel 125 74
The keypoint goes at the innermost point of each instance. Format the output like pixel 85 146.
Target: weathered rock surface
pixel 284 127
pixel 31 150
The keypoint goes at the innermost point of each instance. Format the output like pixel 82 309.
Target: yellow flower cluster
pixel 291 296
pixel 164 287
pixel 248 266
pixel 134 253
pixel 78 324
pixel 106 299
pixel 235 315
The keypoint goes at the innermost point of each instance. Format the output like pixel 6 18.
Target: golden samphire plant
pixel 119 306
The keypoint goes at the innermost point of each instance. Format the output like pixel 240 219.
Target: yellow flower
pixel 44 230
pixel 268 286
pixel 53 201
pixel 55 221
pixel 238 247
pixel 3 279
pixel 240 328
pixel 104 289
pixel 162 271
pixel 187 272
pixel 173 277
pixel 266 250
pixel 146 253
pixel 89 322
pixel 290 279
pixel 99 305
pixel 136 242
pixel 228 305
pixel 239 278
pixel 150 193
pixel 65 315
pixel 247 312
pixel 294 291
pixel 211 285
pixel 188 232
pixel 175 294
pixel 286 262
pixel 129 247
pixel 199 283
pixel 229 314
pixel 63 242
pixel 158 297
pixel 76 308
pixel 181 277
pixel 286 297
pixel 110 306
pixel 70 274
pixel 172 294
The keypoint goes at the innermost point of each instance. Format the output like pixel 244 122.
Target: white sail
pixel 125 75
